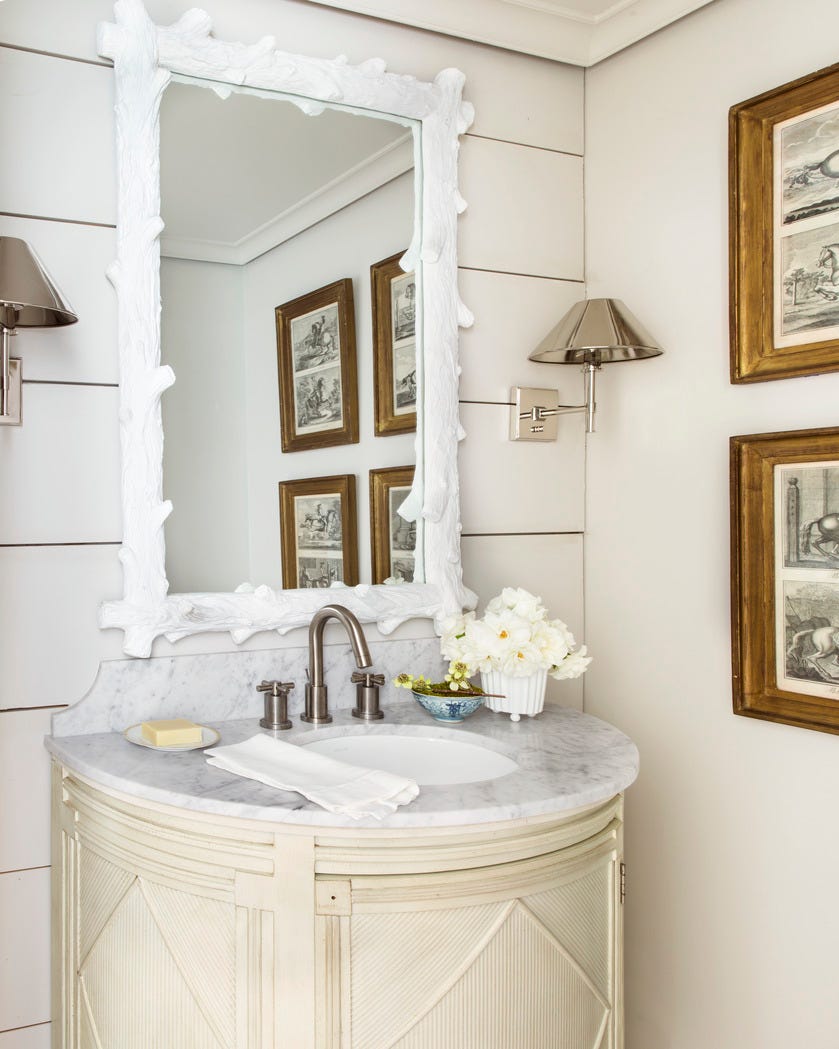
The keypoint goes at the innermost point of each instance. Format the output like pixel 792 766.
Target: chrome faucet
pixel 317 712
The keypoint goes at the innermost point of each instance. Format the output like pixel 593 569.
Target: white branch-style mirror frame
pixel 145 57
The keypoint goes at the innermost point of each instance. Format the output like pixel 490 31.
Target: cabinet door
pixel 166 933
pixel 521 955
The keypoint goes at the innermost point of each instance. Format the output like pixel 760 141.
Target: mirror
pixel 146 58
pixel 264 204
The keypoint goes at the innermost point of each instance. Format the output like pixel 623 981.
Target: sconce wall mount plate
pixel 13 415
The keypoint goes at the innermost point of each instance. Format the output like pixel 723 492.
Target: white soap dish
pixel 209 736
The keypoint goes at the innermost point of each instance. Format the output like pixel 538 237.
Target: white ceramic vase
pixel 521 695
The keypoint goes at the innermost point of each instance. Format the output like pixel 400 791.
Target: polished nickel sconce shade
pixel 592 333
pixel 28 299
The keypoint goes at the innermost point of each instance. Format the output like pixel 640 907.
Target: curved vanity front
pixel 196 908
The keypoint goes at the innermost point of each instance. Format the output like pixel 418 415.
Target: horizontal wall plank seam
pixel 515 273
pixel 69 382
pixel 26 1027
pixel 24 710
pixel 490 535
pixel 524 145
pixel 55 218
pixel 72 542
pixel 57 54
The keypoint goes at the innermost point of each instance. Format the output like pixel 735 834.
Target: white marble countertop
pixel 566 760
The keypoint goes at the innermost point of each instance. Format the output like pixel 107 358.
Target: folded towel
pixel 334 785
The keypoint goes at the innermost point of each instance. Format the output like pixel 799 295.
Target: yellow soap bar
pixel 177 732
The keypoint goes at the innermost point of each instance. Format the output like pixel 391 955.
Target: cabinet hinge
pixel 622 882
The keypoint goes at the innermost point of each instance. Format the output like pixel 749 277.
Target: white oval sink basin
pixel 428 760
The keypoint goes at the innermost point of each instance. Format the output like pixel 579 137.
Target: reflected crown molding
pixel 357 182
pixel 580 32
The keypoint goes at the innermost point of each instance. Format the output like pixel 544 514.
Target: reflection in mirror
pixel 263 205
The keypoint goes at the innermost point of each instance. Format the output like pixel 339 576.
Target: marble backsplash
pixel 222 686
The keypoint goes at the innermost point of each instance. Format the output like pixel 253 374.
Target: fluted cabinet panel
pixel 413 943
pixel 523 989
pixel 138 996
pixel 103 885
pixel 531 963
pixel 201 936
pixel 581 913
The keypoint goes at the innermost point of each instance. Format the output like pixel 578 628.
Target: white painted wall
pixel 344 245
pixel 521 248
pixel 205 421
pixel 731 923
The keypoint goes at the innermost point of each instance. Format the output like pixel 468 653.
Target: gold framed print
pixel 393 540
pixel 784 230
pixel 394 347
pixel 785 577
pixel 316 364
pixel 319 532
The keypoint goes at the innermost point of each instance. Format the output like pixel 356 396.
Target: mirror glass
pixel 265 204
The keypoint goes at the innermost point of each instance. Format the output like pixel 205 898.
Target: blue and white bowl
pixel 451 710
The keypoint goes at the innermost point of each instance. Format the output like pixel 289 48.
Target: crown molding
pixel 372 173
pixel 544 28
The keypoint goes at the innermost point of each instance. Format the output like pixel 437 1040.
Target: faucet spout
pixel 317 711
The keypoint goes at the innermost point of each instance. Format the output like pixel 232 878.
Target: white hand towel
pixel 349 790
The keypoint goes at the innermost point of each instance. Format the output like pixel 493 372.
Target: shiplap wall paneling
pixel 63 465
pixel 520 486
pixel 76 257
pixel 60 117
pixel 24 790
pixel 24 948
pixel 548 565
pixel 525 211
pixel 512 316
pixel 50 647
pixel 517 98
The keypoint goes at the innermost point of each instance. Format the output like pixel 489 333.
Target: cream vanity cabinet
pixel 176 929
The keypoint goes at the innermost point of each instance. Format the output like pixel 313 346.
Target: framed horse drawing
pixel 393 540
pixel 785 577
pixel 319 532
pixel 316 365
pixel 784 230
pixel 394 292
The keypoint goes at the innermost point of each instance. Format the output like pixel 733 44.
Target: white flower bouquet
pixel 514 637
pixel 515 647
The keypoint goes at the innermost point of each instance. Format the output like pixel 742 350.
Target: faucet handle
pixel 276 704
pixel 275 687
pixel 367 695
pixel 364 677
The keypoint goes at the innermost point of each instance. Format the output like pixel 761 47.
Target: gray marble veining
pixel 222 687
pixel 565 760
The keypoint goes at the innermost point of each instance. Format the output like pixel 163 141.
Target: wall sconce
pixel 28 299
pixel 592 333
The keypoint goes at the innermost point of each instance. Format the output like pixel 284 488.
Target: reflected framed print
pixel 394 295
pixel 316 365
pixel 319 532
pixel 393 540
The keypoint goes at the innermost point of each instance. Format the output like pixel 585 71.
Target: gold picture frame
pixel 316 365
pixel 319 532
pixel 392 539
pixel 393 294
pixel 784 230
pixel 784 568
